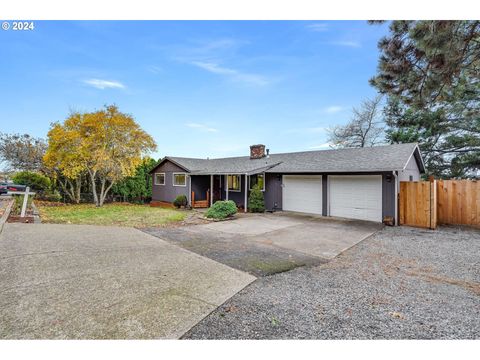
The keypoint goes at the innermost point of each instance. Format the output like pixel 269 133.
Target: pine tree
pixel 430 71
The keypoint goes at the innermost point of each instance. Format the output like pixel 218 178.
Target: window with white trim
pixel 159 178
pixel 257 179
pixel 234 183
pixel 179 179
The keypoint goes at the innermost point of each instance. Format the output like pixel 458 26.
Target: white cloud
pixel 233 74
pixel 155 69
pixel 104 84
pixel 333 109
pixel 202 127
pixel 321 146
pixel 347 43
pixel 317 27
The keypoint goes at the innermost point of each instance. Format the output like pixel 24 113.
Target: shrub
pixel 180 200
pixel 51 196
pixel 256 201
pixel 35 181
pixel 222 210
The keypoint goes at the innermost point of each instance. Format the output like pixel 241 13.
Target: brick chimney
pixel 257 151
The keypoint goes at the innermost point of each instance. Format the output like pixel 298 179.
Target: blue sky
pixel 199 88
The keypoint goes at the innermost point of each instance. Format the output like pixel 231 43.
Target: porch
pixel 207 189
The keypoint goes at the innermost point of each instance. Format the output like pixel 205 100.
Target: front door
pixel 217 188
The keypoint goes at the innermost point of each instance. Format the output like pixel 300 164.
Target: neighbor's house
pixel 359 183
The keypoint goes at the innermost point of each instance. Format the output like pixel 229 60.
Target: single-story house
pixel 360 183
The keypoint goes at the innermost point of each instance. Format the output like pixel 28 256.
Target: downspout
pixel 396 198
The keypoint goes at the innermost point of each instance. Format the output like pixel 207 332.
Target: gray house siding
pixel 324 195
pixel 273 192
pixel 388 195
pixel 168 192
pixel 411 169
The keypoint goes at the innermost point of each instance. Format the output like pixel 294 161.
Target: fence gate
pixel 418 204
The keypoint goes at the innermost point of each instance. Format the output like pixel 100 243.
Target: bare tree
pixel 22 152
pixel 365 129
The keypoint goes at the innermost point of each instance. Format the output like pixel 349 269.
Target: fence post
pixel 25 200
pixel 433 204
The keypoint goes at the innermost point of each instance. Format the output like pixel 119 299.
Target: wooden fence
pixel 459 202
pixel 429 203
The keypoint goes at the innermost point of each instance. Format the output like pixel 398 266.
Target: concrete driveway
pixel 265 244
pixel 90 282
pixel 313 235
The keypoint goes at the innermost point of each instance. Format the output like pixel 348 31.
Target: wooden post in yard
pixel 25 200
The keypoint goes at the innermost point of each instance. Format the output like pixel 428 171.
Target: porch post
pixel 246 193
pixel 189 190
pixel 211 190
pixel 226 187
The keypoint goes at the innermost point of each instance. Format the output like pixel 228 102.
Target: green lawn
pixel 110 214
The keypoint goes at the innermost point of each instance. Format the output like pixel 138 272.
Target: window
pixel 257 179
pixel 411 177
pixel 179 179
pixel 160 179
pixel 233 182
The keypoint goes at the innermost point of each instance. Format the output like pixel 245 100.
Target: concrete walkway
pixel 91 282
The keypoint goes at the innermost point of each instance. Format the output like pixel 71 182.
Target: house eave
pixel 166 158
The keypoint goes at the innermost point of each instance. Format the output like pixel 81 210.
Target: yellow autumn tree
pixel 106 145
pixel 62 158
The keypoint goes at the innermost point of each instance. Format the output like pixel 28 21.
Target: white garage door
pixel 302 193
pixel 356 197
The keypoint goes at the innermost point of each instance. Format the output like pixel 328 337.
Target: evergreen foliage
pixel 256 201
pixel 430 72
pixel 222 210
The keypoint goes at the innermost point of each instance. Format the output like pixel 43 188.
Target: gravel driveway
pixel 402 283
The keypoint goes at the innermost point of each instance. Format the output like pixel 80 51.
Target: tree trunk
pixel 72 190
pixel 78 189
pixel 104 191
pixel 64 186
pixel 93 175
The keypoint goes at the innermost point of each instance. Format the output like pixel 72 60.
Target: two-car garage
pixel 348 196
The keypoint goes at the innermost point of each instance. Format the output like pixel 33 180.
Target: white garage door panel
pixel 356 197
pixel 302 193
